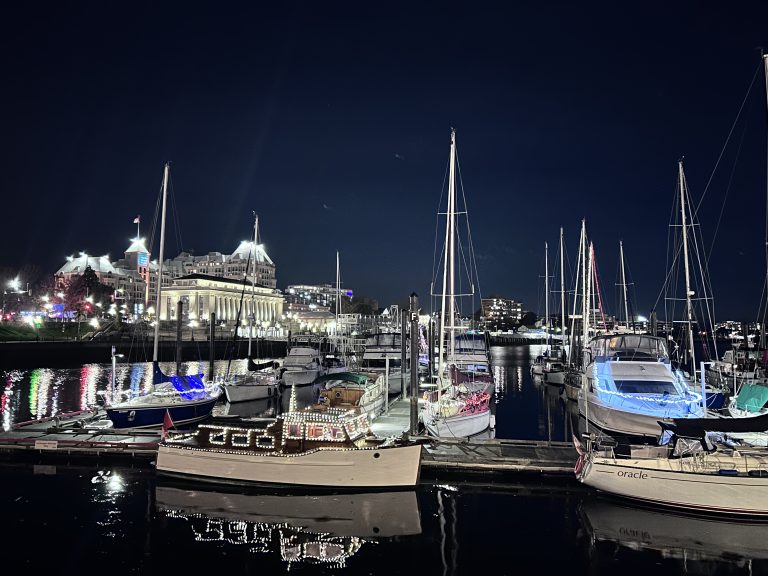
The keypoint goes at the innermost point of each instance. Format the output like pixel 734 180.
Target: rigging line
pixel 474 277
pixel 175 212
pixel 435 260
pixel 237 317
pixel 671 239
pixel 727 191
pixel 725 145
pixel 765 245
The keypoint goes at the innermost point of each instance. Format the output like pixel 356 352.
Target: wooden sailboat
pixel 458 407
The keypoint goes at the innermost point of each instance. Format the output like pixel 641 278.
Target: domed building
pixel 134 279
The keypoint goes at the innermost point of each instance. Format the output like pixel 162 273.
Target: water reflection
pixel 306 528
pixel 703 545
pixel 34 394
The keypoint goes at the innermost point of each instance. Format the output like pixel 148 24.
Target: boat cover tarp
pixel 190 387
pixel 254 367
pixel 360 379
pixel 752 397
pixel 698 427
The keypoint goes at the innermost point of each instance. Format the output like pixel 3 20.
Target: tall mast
pixel 762 320
pixel 447 263
pixel 252 317
pixel 546 291
pixel 166 174
pixel 452 186
pixel 624 282
pixel 688 307
pixel 584 286
pixel 562 294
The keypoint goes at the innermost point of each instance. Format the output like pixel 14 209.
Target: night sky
pixel 332 121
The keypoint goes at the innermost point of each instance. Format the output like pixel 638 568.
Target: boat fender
pixel 728 472
pixel 758 473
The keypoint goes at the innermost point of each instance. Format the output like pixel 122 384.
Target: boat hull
pixel 459 426
pixel 701 492
pixel 614 420
pixel 299 377
pixel 352 468
pixel 554 377
pixel 246 392
pixel 182 413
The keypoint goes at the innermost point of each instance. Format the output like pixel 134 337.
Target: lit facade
pixel 500 313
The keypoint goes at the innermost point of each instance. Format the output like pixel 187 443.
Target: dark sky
pixel 332 121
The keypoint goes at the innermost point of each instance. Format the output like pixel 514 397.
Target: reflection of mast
pixel 448 532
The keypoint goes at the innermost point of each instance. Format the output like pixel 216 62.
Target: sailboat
pixel 460 404
pixel 261 381
pixel 537 368
pixel 554 366
pixel 186 399
pixel 575 361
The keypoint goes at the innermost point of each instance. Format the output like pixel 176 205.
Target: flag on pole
pixel 167 424
pixel 137 220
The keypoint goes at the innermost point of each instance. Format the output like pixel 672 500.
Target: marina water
pixel 120 518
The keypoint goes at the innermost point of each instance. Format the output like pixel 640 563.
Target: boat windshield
pixel 632 347
pixel 645 387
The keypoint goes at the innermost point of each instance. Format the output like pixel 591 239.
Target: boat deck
pixel 82 434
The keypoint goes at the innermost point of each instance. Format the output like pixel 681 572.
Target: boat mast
pixel 452 216
pixel 252 316
pixel 585 279
pixel 448 256
pixel 166 173
pixel 688 307
pixel 562 294
pixel 762 320
pixel 546 292
pixel 624 282
pixel 338 304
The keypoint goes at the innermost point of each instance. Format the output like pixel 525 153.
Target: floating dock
pixel 87 434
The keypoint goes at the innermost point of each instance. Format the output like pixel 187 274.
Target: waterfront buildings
pixel 500 313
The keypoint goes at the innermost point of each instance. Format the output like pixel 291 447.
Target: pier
pixel 86 434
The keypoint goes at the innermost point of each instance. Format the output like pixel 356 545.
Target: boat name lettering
pixel 628 474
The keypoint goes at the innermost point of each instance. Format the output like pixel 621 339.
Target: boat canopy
pixel 752 397
pixel 698 427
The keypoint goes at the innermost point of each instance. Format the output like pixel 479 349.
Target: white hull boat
pixel 698 470
pixel 315 447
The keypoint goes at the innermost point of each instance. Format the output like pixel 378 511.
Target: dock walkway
pixel 85 434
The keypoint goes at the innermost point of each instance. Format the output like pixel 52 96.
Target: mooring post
pixel 179 311
pixel 403 355
pixel 414 318
pixel 211 345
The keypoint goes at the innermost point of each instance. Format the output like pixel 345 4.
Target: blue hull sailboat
pixel 186 399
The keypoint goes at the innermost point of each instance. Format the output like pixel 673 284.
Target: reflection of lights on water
pixel 90 374
pixel 113 483
pixel 296 544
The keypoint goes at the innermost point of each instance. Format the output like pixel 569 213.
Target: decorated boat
pixel 318 446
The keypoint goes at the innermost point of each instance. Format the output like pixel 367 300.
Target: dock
pixel 87 434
